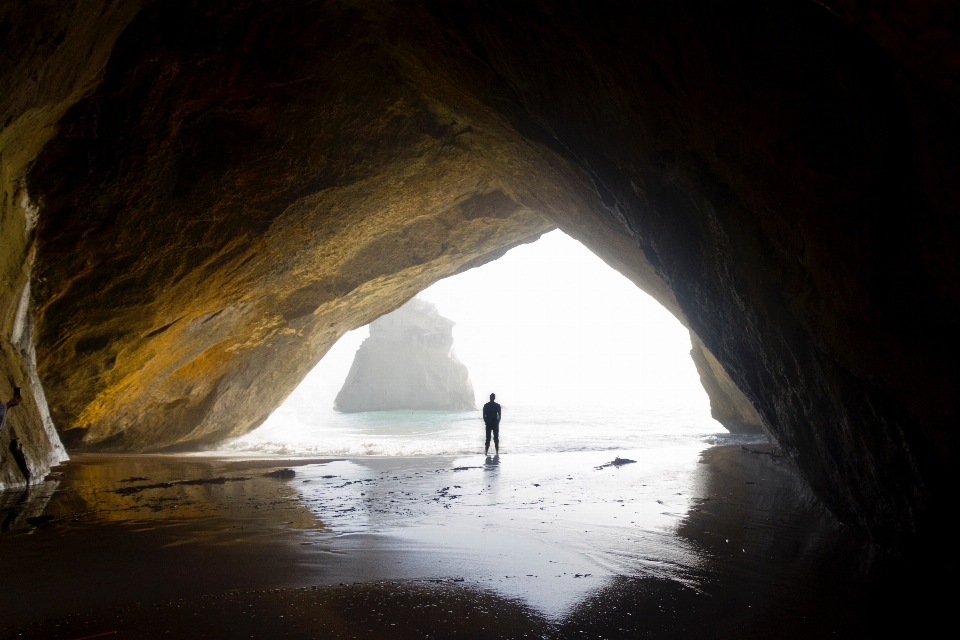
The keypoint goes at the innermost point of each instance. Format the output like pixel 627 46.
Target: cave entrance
pixel 580 358
pixel 604 420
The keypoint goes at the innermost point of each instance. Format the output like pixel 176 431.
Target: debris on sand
pixel 135 479
pixel 281 473
pixel 167 485
pixel 773 453
pixel 616 462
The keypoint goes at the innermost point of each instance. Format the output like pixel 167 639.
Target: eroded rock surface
pixel 214 203
pixel 728 405
pixel 51 54
pixel 408 362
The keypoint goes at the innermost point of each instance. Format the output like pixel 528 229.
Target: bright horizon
pixel 549 324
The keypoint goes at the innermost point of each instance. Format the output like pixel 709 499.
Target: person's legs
pixel 496 439
pixel 486 447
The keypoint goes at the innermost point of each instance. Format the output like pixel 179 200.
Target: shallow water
pixel 546 529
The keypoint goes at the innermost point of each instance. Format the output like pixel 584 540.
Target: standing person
pixel 491 419
pixel 9 405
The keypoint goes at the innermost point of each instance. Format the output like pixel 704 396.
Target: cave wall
pixel 804 217
pixel 728 405
pixel 267 199
pixel 52 53
pixel 794 184
pixel 240 184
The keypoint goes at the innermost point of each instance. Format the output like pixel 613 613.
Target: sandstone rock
pixel 728 405
pixel 50 56
pixel 408 362
pixel 203 197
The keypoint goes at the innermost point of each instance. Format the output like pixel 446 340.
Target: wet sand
pixel 555 545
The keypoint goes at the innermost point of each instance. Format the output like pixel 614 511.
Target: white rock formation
pixel 408 362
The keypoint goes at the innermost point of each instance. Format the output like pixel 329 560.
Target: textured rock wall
pixel 51 54
pixel 408 362
pixel 235 194
pixel 766 155
pixel 728 405
pixel 242 184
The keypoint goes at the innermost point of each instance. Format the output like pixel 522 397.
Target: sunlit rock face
pixel 50 54
pixel 408 362
pixel 243 205
pixel 217 193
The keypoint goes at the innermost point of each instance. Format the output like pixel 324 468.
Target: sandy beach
pixel 551 545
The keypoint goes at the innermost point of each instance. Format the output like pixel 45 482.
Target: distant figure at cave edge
pixel 491 419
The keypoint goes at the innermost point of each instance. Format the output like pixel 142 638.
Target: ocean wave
pixel 282 448
pixel 300 449
pixel 423 433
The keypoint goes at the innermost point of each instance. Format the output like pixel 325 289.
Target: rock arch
pixel 202 198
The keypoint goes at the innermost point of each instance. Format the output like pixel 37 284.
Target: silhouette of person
pixel 491 419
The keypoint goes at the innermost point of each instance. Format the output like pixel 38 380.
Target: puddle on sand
pixel 138 488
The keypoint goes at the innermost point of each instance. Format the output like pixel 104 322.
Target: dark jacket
pixel 491 414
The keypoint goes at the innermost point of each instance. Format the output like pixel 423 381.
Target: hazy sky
pixel 551 323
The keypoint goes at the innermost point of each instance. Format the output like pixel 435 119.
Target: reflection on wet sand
pixel 93 538
pixel 775 564
pixel 23 507
pixel 153 487
pixel 199 547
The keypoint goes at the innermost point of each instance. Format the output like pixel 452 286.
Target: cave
pixel 200 198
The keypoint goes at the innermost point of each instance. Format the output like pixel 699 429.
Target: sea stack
pixel 408 362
